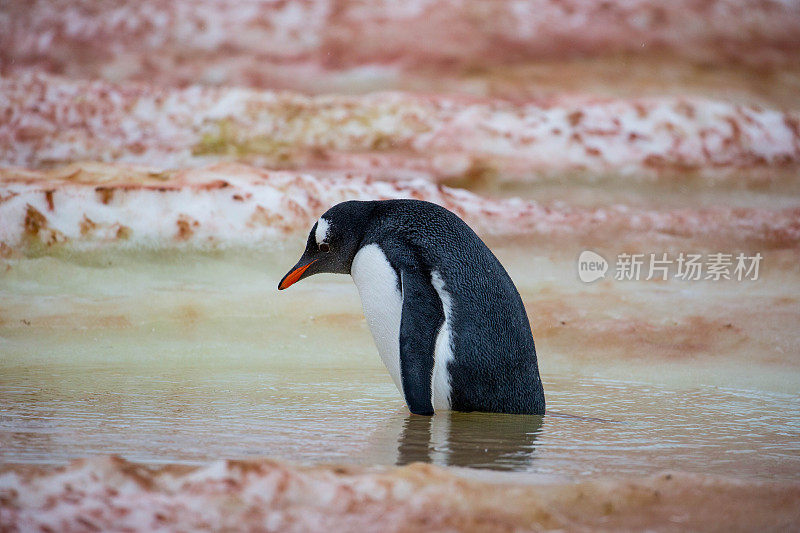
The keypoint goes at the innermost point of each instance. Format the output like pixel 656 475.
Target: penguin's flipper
pixel 422 316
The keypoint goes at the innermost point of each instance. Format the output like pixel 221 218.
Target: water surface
pixel 192 357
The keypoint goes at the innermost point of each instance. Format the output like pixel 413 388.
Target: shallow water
pixel 193 357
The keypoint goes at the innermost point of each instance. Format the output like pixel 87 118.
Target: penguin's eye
pixel 324 247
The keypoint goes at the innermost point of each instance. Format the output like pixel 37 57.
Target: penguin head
pixel 332 243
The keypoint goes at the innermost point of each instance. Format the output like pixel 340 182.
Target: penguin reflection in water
pixel 448 321
pixel 474 440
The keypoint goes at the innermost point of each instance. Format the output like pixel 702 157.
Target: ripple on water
pixel 593 427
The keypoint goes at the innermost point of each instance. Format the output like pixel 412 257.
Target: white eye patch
pixel 322 230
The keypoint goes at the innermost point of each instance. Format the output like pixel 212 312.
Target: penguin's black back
pixel 494 367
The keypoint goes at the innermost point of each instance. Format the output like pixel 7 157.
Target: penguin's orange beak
pixel 293 276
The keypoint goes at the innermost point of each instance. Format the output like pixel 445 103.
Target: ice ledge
pixel 51 121
pixel 104 493
pixel 93 205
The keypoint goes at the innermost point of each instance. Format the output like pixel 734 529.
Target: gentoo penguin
pixel 448 321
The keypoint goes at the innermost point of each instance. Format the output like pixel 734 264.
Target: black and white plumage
pixel 448 321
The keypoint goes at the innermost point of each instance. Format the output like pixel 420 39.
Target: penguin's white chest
pixel 382 302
